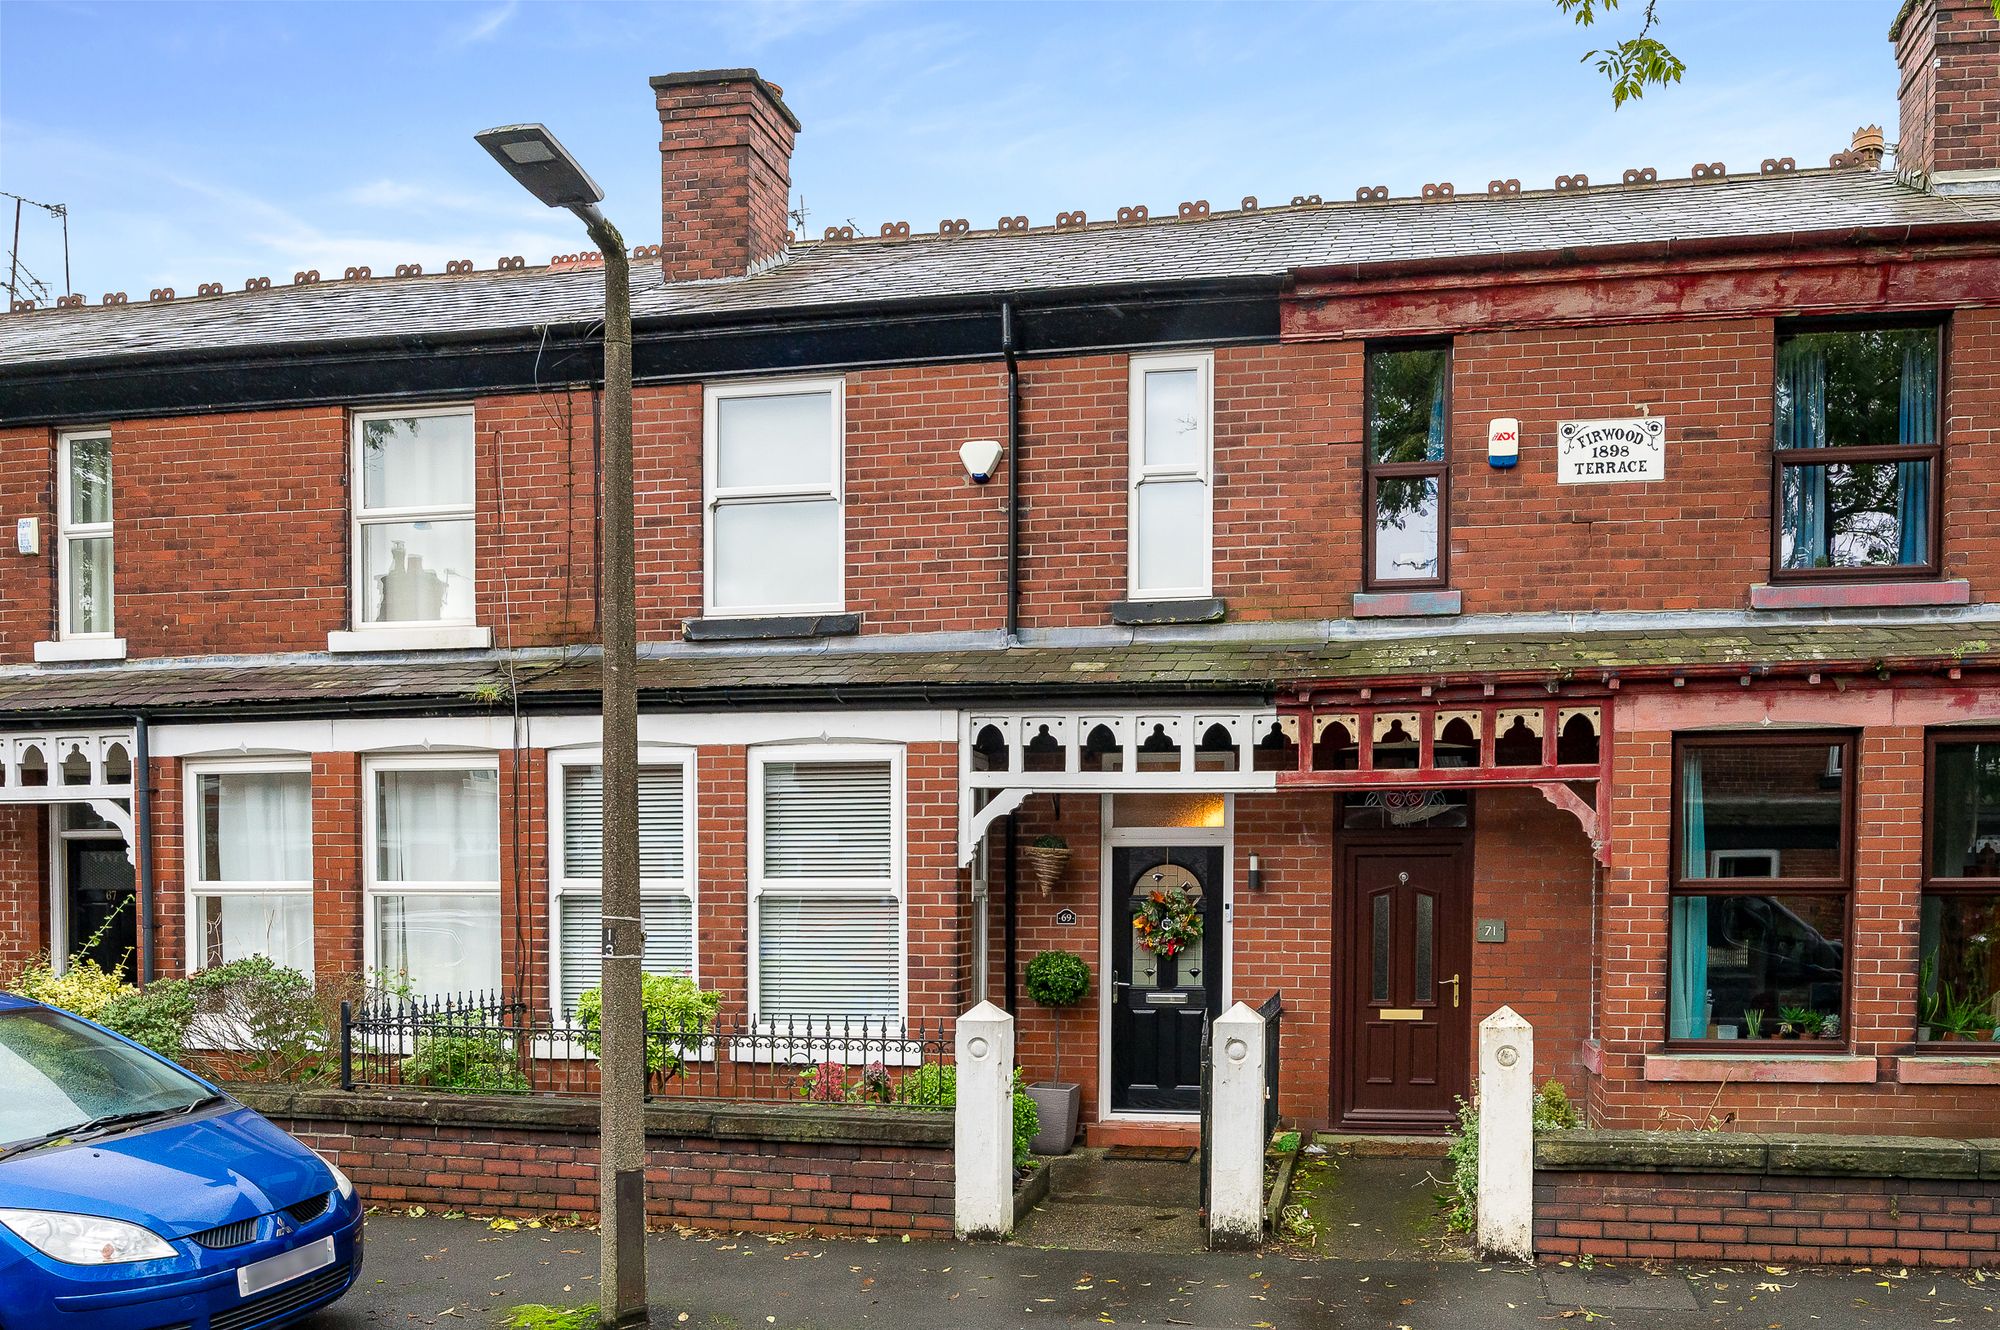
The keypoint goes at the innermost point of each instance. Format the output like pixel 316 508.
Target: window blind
pixel 827 958
pixel 669 924
pixel 661 820
pixel 828 819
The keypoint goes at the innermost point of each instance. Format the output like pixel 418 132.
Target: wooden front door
pixel 1403 1024
pixel 1159 1003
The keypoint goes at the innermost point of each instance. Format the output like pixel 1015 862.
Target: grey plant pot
pixel 1058 1106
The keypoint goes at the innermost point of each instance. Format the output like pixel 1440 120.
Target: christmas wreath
pixel 1168 921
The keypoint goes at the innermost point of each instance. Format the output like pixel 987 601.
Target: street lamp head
pixel 541 165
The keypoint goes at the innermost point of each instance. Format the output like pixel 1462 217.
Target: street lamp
pixel 545 169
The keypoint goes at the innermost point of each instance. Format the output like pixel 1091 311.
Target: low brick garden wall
pixel 1803 1198
pixel 788 1167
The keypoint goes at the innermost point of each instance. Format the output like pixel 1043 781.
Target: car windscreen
pixel 56 1073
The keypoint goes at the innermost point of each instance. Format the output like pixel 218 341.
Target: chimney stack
pixel 1948 52
pixel 725 172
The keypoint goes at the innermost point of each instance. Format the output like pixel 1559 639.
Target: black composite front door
pixel 1159 1002
pixel 101 904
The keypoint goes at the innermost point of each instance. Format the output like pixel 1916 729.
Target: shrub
pixel 933 1085
pixel 1552 1112
pixel 157 1016
pixel 1058 979
pixel 1027 1121
pixel 468 1058
pixel 678 1013
pixel 824 1084
pixel 274 1023
pixel 85 988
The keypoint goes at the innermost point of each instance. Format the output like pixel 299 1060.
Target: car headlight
pixel 341 1182
pixel 85 1239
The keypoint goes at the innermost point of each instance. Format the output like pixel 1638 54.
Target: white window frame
pixel 372 887
pixel 650 889
pixel 833 888
pixel 68 532
pixel 1139 473
pixel 195 830
pixel 716 496
pixel 384 634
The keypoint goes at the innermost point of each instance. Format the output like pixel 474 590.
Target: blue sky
pixel 214 142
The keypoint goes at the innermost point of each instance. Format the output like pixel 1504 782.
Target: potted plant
pixel 1830 1028
pixel 1810 1025
pixel 1792 1021
pixel 1057 980
pixel 1753 1024
pixel 1047 858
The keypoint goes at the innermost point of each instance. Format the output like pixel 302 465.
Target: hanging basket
pixel 1047 862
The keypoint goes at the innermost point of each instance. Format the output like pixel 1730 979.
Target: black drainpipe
pixel 1013 912
pixel 142 835
pixel 1007 348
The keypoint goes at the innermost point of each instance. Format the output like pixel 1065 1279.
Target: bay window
pixel 1856 453
pixel 826 885
pixel 776 523
pixel 250 873
pixel 433 874
pixel 1762 861
pixel 1170 498
pixel 1407 532
pixel 414 519
pixel 666 873
pixel 1958 946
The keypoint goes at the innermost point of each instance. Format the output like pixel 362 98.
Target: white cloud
pixel 487 25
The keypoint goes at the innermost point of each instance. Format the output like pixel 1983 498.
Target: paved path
pixel 458 1273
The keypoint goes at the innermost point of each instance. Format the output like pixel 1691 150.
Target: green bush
pixel 465 1059
pixel 1027 1121
pixel 1552 1112
pixel 1058 979
pixel 158 1016
pixel 84 988
pixel 271 1022
pixel 674 1005
pixel 933 1085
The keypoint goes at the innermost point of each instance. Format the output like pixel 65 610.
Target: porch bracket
pixel 1563 797
pixel 119 816
pixel 1003 802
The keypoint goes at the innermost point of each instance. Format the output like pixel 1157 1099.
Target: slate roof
pixel 823 276
pixel 949 678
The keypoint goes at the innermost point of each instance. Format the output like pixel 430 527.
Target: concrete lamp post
pixel 543 167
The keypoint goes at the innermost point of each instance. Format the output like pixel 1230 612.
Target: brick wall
pixel 1285 937
pixel 489 1164
pixel 1740 1217
pixel 1948 52
pixel 27 582
pixel 24 886
pixel 725 174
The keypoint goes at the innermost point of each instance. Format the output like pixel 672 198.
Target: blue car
pixel 134 1196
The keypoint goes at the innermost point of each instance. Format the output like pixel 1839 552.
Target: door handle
pixel 1453 981
pixel 1120 983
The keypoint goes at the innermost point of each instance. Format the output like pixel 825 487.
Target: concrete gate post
pixel 1235 1160
pixel 1507 1136
pixel 983 1139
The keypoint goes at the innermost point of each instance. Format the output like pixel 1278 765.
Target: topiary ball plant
pixel 1058 979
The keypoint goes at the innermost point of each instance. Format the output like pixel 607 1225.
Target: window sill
pixel 771 628
pixel 1858 595
pixel 462 638
pixel 83 648
pixel 1405 604
pixel 1762 1068
pixel 1160 613
pixel 1945 1069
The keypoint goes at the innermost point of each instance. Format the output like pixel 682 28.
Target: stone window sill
pixel 1163 613
pixel 1858 595
pixel 80 648
pixel 1405 604
pixel 459 638
pixel 1762 1068
pixel 1944 1069
pixel 771 628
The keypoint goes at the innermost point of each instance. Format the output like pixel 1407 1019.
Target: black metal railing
pixel 1273 1012
pixel 493 1044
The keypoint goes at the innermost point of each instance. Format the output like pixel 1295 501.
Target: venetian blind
pixel 827 958
pixel 669 924
pixel 661 818
pixel 828 820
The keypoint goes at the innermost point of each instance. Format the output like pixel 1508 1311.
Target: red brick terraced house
pixel 1585 599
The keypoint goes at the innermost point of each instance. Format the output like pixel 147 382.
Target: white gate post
pixel 983 1139
pixel 1235 1160
pixel 1507 1135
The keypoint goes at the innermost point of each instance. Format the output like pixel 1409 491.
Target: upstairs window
pixel 1408 439
pixel 1958 936
pixel 1170 501
pixel 83 551
pixel 1761 867
pixel 1856 453
pixel 414 505
pixel 776 522
pixel 666 875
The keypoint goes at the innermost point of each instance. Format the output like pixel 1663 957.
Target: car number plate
pixel 286 1265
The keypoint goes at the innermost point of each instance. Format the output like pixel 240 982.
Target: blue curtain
pixel 1801 423
pixel 1434 445
pixel 1916 422
pixel 1687 981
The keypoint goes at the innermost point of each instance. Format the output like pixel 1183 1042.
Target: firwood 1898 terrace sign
pixel 1591 452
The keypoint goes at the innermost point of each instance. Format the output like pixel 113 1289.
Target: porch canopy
pixel 81 764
